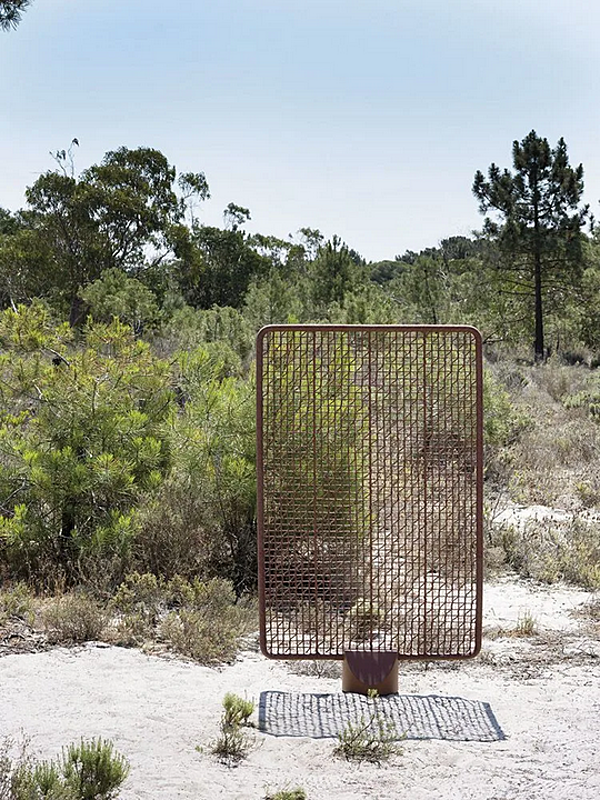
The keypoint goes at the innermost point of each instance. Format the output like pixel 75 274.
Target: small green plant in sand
pixel 526 625
pixel 88 770
pixel 372 739
pixel 233 743
pixel 287 794
pixel 365 618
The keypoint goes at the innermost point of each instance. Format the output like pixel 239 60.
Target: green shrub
pixel 83 437
pixel 233 743
pixel 17 601
pixel 549 552
pixel 503 422
pixel 93 770
pixel 89 770
pixel 372 739
pixel 287 794
pixel 210 632
pixel 237 711
pixel 198 619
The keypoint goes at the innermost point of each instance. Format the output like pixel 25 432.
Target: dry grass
pixel 17 601
pixel 73 618
pixel 550 551
pixel 199 620
pixel 553 461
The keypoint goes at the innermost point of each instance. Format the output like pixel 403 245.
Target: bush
pixel 198 619
pixel 372 739
pixel 287 794
pixel 205 518
pixel 209 630
pixel 83 437
pixel 233 743
pixel 73 618
pixel 89 770
pixel 549 552
pixel 17 601
pixel 92 770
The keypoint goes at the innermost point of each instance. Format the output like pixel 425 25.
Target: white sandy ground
pixel 544 692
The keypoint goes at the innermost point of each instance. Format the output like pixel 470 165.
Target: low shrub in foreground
pixel 88 770
pixel 287 794
pixel 233 743
pixel 372 739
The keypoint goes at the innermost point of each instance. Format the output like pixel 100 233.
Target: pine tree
pixel 540 224
pixel 10 13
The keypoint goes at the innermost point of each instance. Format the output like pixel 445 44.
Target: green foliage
pixel 271 300
pixel 222 333
pixel 88 770
pixel 333 273
pixel 215 266
pixel 84 433
pixel 539 228
pixel 233 743
pixel 588 398
pixel 237 710
pixel 549 552
pixel 372 739
pixel 287 794
pixel 115 294
pixel 502 421
pixel 198 619
pixel 214 442
pixel 93 770
pixel 16 601
pixel 73 618
pixel 209 629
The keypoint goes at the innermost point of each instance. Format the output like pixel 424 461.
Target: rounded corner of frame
pixel 266 652
pixel 262 332
pixel 475 333
pixel 475 651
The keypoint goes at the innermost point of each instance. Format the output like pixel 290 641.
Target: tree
pixel 116 215
pixel 335 271
pixel 10 13
pixel 215 266
pixel 540 224
pixel 84 433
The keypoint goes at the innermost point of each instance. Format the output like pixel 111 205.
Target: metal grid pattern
pixel 369 490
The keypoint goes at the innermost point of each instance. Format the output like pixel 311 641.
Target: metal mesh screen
pixel 369 490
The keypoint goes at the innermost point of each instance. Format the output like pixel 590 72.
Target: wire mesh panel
pixel 369 490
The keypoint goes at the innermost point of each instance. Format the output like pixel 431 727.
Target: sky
pixel 362 118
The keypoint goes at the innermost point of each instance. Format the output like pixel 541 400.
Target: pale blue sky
pixel 365 118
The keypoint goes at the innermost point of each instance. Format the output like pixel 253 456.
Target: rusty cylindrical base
pixel 363 671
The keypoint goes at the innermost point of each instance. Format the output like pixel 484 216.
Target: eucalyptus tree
pixel 538 225
pixel 119 214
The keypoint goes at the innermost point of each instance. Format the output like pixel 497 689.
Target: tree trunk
pixel 539 318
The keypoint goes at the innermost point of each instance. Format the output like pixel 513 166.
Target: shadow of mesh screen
pixel 369 490
pixel 412 716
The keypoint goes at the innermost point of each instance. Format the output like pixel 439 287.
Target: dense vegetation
pixel 126 360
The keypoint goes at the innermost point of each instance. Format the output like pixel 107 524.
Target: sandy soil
pixel 543 690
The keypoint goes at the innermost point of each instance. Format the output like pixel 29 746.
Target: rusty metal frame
pixel 370 490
